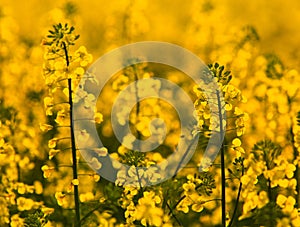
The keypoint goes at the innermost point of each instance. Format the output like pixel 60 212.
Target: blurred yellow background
pixel 277 22
pixel 256 40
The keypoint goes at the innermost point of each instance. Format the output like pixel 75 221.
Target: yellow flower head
pixel 47 171
pixel 60 198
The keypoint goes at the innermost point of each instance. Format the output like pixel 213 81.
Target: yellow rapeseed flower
pixel 47 171
pixel 60 198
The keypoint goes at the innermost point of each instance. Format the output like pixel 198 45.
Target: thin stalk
pixel 223 187
pixel 297 171
pixel 223 178
pixel 237 201
pixel 73 147
pixel 137 113
pixel 90 213
pixel 185 196
pixel 177 203
pixel 270 193
pixel 297 176
pixel 74 159
pixel 66 54
pixel 184 156
pixel 174 216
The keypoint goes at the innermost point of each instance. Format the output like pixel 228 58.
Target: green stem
pixel 223 178
pixel 73 147
pixel 137 112
pixel 297 171
pixel 184 156
pixel 172 213
pixel 74 158
pixel 237 201
pixel 66 54
pixel 174 207
pixel 270 193
pixel 90 213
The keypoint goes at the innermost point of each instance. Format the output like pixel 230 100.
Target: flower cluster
pixel 45 181
pixel 64 73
